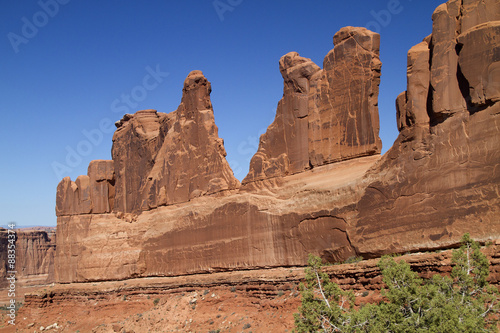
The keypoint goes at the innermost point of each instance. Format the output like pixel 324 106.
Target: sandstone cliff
pixel 441 177
pixel 326 115
pixel 168 203
pixel 226 301
pixel 35 254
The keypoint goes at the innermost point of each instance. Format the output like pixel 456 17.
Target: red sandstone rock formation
pixel 163 159
pixel 326 115
pixel 202 302
pixel 441 177
pixel 317 184
pixel 91 194
pixel 35 254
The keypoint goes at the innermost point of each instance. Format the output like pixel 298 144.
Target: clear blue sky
pixel 65 69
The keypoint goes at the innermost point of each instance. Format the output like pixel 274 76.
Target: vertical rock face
pixel 446 96
pixel 475 12
pixel 284 148
pixel 326 115
pixel 418 84
pixel 450 20
pixel 440 178
pixel 158 159
pixel 401 111
pixel 191 161
pixel 135 145
pixel 479 63
pixel 35 254
pixel 102 190
pixel 345 121
pixel 90 194
pixel 411 105
pixel 165 159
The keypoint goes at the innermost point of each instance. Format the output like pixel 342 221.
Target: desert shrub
pixel 463 302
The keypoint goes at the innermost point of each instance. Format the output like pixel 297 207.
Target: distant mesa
pixel 34 259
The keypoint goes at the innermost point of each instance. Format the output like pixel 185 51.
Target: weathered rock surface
pixel 216 301
pixel 446 96
pixel 316 184
pixel 441 177
pixel 240 231
pixel 135 144
pixel 35 255
pixel 345 122
pixel 90 194
pixel 479 62
pixel 283 149
pixel 326 115
pixel 418 76
pixel 163 159
pixel 450 20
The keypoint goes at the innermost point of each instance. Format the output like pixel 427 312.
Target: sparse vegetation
pixel 463 302
pixel 353 260
pixel 5 308
pixel 156 301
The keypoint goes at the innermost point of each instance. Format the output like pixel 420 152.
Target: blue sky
pixel 68 66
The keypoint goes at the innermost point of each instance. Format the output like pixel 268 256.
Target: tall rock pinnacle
pixel 326 115
pixel 158 159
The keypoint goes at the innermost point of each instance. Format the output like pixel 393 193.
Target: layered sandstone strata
pixel 171 206
pixel 308 213
pixel 202 302
pixel 35 255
